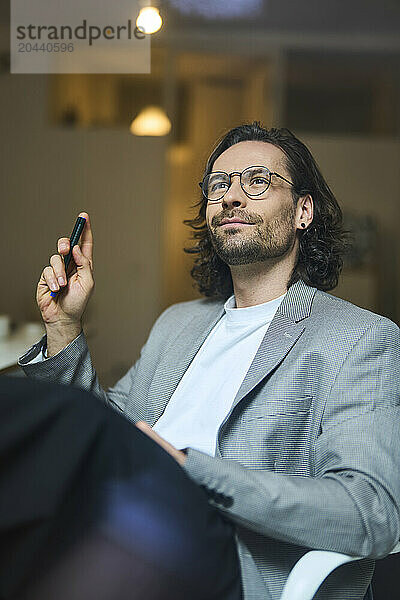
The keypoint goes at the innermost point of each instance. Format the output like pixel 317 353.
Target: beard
pixel 261 242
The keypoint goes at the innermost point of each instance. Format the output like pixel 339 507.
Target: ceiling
pixel 319 16
pixel 361 16
pixel 341 23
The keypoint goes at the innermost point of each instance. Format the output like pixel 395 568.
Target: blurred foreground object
pixel 90 507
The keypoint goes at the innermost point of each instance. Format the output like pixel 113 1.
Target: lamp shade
pixel 152 120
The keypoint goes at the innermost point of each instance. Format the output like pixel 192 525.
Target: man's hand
pixel 178 455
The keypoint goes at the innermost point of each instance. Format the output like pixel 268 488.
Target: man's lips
pixel 234 221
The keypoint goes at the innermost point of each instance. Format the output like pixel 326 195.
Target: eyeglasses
pixel 254 181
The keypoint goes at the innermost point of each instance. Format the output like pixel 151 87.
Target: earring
pixel 303 225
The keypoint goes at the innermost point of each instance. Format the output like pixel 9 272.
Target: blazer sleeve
pixel 351 504
pixel 73 366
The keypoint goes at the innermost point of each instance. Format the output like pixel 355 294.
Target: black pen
pixel 74 239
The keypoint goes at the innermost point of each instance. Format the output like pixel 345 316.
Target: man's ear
pixel 304 212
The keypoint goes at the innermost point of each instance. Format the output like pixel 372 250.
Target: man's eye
pixel 258 181
pixel 219 185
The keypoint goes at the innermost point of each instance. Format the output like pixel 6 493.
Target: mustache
pixel 234 214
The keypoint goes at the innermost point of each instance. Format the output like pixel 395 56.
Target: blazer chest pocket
pixel 275 408
pixel 276 431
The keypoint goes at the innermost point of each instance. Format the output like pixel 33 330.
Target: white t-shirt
pixel 207 390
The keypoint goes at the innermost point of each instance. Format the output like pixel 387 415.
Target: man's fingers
pixel 87 238
pixel 142 425
pixel 80 259
pixel 178 455
pixel 58 270
pixel 63 245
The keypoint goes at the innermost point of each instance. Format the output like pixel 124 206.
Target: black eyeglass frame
pixel 230 175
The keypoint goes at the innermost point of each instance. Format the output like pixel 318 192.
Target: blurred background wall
pixel 330 75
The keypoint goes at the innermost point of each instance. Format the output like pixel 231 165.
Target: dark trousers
pixel 90 507
pixel 386 579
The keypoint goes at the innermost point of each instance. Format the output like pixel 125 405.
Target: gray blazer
pixel 308 456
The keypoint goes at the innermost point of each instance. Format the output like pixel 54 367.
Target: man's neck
pixel 259 282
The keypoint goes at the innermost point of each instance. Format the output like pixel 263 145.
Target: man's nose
pixel 235 196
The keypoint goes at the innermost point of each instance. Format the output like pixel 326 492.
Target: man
pixel 282 401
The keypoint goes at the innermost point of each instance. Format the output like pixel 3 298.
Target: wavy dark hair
pixel 321 246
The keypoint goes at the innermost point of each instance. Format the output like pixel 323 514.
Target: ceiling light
pixel 149 20
pixel 152 120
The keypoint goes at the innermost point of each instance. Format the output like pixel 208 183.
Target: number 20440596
pixel 45 47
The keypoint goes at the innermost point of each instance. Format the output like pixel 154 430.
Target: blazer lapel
pixel 283 332
pixel 177 358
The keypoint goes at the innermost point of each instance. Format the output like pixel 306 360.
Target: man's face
pixel 269 227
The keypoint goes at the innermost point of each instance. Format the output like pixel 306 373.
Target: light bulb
pixel 152 120
pixel 149 19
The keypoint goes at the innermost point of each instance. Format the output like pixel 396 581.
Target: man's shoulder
pixel 330 309
pixel 183 312
pixel 194 307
